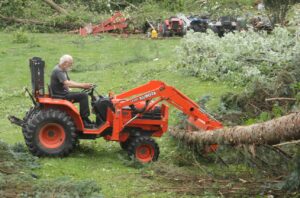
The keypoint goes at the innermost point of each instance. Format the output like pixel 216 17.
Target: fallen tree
pixel 22 21
pixel 62 25
pixel 283 129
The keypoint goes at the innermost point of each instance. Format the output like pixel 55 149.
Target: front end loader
pixel 53 126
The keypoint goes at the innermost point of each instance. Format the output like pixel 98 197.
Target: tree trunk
pixel 23 21
pixel 35 22
pixel 56 7
pixel 272 132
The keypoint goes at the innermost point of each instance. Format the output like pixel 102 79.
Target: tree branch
pixel 287 143
pixel 272 99
pixel 56 7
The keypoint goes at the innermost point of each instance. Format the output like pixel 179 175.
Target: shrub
pixel 237 58
pixel 20 37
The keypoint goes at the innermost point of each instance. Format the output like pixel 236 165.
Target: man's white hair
pixel 65 58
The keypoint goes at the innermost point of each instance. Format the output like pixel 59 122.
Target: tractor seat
pixel 51 95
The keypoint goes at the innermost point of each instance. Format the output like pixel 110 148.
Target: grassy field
pixel 114 64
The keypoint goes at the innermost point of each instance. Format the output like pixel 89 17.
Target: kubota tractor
pixel 172 26
pixel 53 126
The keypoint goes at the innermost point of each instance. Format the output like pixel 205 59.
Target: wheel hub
pixel 52 135
pixel 145 153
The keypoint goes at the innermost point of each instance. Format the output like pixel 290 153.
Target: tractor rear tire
pixel 50 133
pixel 143 149
pixel 29 114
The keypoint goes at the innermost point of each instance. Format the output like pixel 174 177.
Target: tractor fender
pixel 66 106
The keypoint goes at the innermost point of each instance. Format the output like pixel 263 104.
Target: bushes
pixel 236 58
pixel 293 181
pixel 37 16
pixel 20 37
pixel 267 65
pixel 81 12
pixel 251 106
pixel 279 9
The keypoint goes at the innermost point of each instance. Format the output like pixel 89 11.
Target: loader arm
pixel 196 116
pixel 158 92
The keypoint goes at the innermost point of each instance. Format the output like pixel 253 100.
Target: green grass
pixel 114 64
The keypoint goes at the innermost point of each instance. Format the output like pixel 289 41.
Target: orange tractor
pixel 53 125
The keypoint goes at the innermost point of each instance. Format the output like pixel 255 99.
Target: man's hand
pixel 87 85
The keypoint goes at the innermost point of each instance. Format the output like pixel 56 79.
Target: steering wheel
pixel 89 90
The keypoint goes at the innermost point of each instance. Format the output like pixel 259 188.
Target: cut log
pixel 56 7
pixel 283 129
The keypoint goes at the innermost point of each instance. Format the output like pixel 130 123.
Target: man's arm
pixel 73 84
pixel 63 78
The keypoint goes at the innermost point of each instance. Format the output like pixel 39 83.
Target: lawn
pixel 115 64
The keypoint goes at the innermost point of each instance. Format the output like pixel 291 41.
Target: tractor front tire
pixel 124 145
pixel 143 149
pixel 50 133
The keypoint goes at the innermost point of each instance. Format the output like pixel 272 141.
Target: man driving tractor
pixel 53 126
pixel 61 84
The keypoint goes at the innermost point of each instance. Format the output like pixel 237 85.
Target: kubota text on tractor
pixel 53 125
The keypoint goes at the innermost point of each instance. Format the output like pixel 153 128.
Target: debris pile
pixel 116 23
